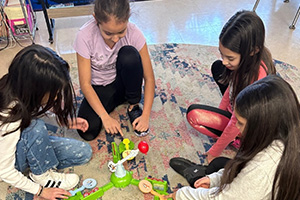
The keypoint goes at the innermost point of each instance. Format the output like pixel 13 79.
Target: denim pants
pixel 40 152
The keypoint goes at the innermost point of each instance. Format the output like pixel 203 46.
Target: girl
pixel 267 163
pixel 113 60
pixel 37 81
pixel 245 59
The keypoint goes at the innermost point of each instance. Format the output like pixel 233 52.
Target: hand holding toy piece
pixel 146 187
pixel 87 183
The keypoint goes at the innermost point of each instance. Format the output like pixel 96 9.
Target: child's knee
pixel 84 153
pixel 88 152
pixel 129 57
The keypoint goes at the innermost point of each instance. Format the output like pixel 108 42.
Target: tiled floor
pixel 185 21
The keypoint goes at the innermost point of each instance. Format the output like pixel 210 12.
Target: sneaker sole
pixel 142 134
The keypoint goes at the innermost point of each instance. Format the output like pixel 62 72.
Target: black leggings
pixel 217 69
pixel 216 164
pixel 194 173
pixel 126 87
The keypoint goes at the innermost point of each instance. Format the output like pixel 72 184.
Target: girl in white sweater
pixel 38 80
pixel 267 165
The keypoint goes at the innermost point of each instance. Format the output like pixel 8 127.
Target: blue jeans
pixel 40 152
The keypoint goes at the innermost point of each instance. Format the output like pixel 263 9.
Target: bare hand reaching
pixel 111 125
pixel 141 124
pixel 55 193
pixel 79 123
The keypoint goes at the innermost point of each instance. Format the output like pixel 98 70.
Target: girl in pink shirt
pixel 113 61
pixel 245 59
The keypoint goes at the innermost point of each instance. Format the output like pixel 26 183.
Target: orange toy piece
pixel 146 187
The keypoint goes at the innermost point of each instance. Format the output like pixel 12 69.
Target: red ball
pixel 143 147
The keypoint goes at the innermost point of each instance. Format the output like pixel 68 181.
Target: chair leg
pixel 292 26
pixel 255 5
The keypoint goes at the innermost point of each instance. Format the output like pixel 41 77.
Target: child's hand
pixel 79 123
pixel 203 182
pixel 55 193
pixel 111 125
pixel 171 195
pixel 209 157
pixel 140 124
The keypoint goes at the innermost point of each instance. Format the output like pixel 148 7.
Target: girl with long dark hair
pixel 38 80
pixel 267 163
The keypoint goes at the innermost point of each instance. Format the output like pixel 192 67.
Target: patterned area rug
pixel 183 77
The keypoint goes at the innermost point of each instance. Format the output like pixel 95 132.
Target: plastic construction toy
pixel 125 148
pixel 87 183
pixel 120 177
pixel 160 186
pixel 146 187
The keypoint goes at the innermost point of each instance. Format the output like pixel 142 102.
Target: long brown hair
pixel 244 33
pixel 272 111
pixel 34 73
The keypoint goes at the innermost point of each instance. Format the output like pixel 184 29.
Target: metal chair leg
pixel 292 26
pixel 255 5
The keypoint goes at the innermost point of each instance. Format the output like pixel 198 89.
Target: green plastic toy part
pixel 159 185
pixel 120 177
pixel 115 152
pixel 125 147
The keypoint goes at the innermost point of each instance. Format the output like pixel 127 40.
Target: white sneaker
pixel 54 179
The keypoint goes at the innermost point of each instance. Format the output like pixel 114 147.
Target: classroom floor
pixel 188 21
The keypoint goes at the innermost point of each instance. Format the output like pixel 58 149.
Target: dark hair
pixel 272 110
pixel 105 9
pixel 36 71
pixel 244 34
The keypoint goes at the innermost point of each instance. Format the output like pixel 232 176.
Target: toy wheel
pixel 145 186
pixel 89 183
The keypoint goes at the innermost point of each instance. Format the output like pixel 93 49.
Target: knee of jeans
pixel 89 152
pixel 86 152
pixel 36 129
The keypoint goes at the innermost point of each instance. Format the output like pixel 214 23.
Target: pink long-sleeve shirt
pixel 231 131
